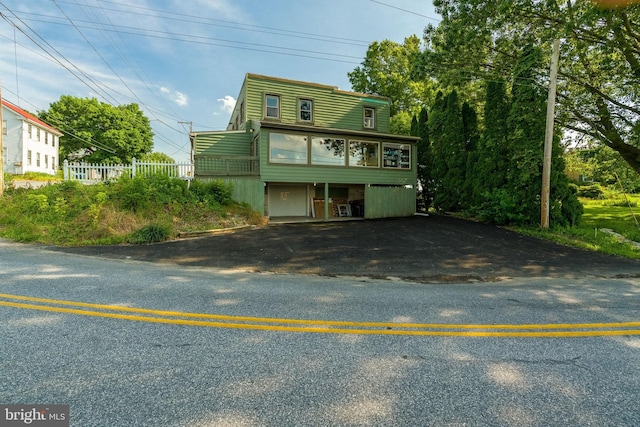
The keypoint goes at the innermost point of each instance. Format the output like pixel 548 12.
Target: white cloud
pixel 181 99
pixel 228 103
pixel 178 97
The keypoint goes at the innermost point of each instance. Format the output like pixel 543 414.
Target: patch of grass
pixel 599 214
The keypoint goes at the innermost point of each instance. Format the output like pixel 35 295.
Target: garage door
pixel 287 200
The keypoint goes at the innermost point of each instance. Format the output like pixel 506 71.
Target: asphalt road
pixel 284 362
pixel 424 249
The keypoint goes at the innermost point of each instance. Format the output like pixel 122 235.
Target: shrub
pixel 151 233
pixel 594 191
pixel 213 192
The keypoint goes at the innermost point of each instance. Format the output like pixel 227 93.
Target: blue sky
pixel 185 60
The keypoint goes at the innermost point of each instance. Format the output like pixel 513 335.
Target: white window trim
pixel 266 106
pixel 369 122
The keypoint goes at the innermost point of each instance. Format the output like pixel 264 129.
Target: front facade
pixel 28 144
pixel 298 149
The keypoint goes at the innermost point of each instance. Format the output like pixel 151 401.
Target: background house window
pixel 328 151
pixel 273 106
pixel 29 158
pixel 396 156
pixel 38 159
pixel 46 161
pixel 53 163
pixel 287 148
pixel 305 110
pixel 46 138
pixel 4 127
pixel 369 118
pixel 38 133
pixel 30 131
pixel 365 154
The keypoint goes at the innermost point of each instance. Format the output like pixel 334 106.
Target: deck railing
pixel 207 165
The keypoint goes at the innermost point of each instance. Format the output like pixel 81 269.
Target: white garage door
pixel 287 200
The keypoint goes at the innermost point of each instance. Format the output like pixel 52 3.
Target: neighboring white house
pixel 28 143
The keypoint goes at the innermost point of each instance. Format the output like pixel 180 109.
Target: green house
pixel 297 149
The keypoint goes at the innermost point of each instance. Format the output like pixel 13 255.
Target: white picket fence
pixel 93 173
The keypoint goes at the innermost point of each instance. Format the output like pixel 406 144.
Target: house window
pixel 38 133
pixel 37 159
pixel 272 103
pixel 46 138
pixel 46 161
pixel 364 154
pixel 396 156
pixel 242 111
pixel 4 127
pixel 30 131
pixel 53 140
pixel 29 162
pixel 328 151
pixel 287 148
pixel 53 163
pixel 369 118
pixel 305 110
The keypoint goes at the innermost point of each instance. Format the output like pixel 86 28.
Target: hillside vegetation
pixel 130 210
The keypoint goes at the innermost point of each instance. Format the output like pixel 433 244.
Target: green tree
pixel 449 153
pixel 420 128
pixel 389 69
pixel 97 132
pixel 156 157
pixel 599 89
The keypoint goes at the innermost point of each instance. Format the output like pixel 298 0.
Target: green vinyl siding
pixel 389 202
pixel 223 143
pixel 332 108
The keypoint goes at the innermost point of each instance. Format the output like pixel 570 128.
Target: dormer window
pixel 369 118
pixel 305 110
pixel 272 103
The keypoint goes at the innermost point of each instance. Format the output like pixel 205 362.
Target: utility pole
pixel 548 136
pixel 1 146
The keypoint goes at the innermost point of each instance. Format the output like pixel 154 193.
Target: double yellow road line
pixel 321 326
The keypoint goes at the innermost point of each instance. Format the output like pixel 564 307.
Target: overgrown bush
pixel 151 233
pixel 213 192
pixel 137 210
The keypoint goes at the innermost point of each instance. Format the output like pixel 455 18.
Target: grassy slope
pixel 599 214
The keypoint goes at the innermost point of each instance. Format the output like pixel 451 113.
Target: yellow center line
pixel 322 326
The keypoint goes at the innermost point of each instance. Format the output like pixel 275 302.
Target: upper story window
pixel 46 138
pixel 305 110
pixel 4 127
pixel 38 133
pixel 369 118
pixel 30 131
pixel 53 140
pixel 272 103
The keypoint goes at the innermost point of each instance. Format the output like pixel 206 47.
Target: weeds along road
pixel 133 343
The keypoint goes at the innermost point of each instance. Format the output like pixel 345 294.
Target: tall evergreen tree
pixel 450 157
pixel 420 128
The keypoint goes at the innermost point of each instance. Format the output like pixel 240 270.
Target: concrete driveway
pixel 423 249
